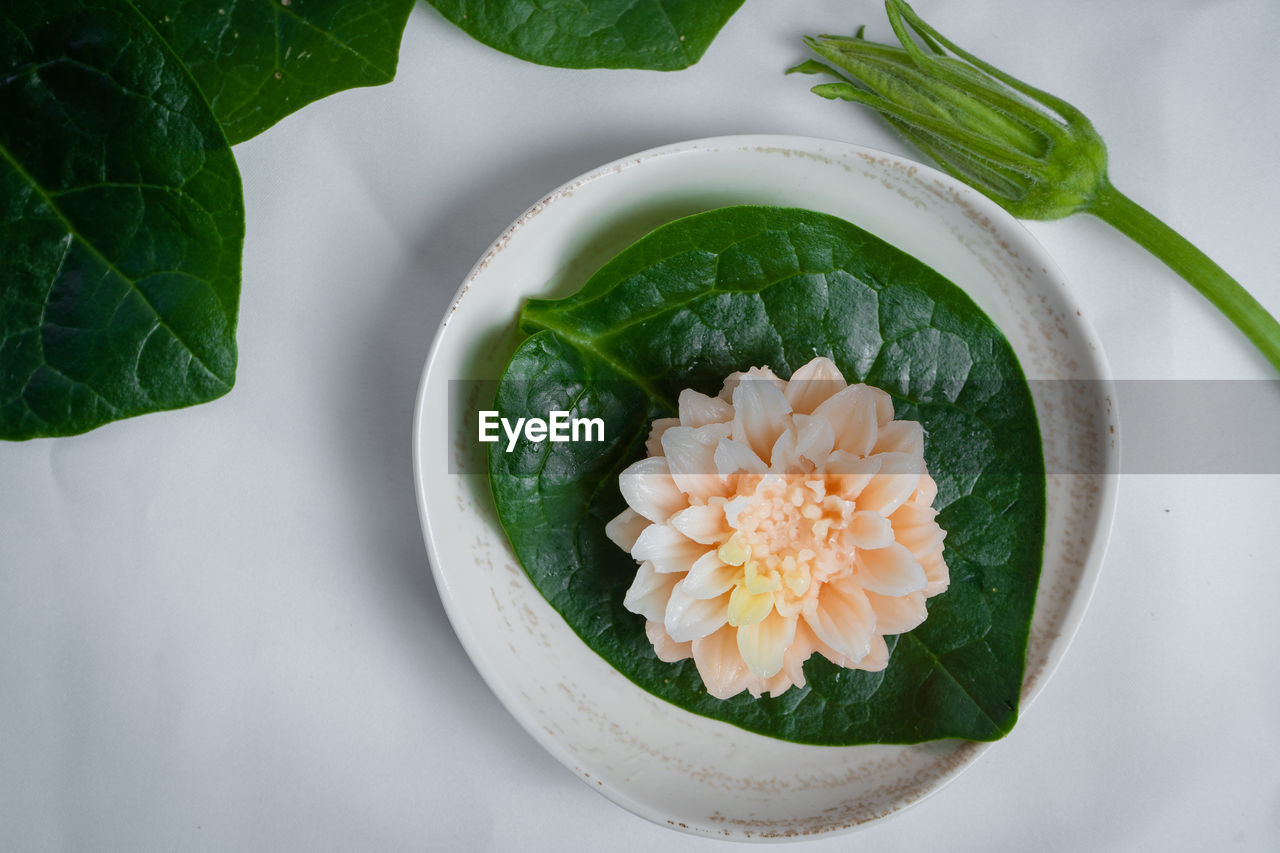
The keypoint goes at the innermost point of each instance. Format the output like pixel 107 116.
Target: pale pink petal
pixel 798 652
pixel 667 649
pixel 890 571
pixel 764 644
pixel 852 415
pixel 926 492
pixel 755 373
pixel 783 458
pixel 709 577
pixel 705 524
pixel 760 414
pixel 901 437
pixel 653 444
pixel 648 489
pixel 720 664
pixel 896 614
pixel 876 659
pixel 688 618
pixel 690 453
pixel 915 528
pixel 884 405
pixel 625 527
pixel 870 530
pixel 734 507
pixel 649 592
pixel 935 570
pixel 851 473
pixel 814 384
pixel 777 685
pixel 667 548
pixel 738 475
pixel 898 478
pixel 842 618
pixel 814 438
pixel 830 653
pixel 699 410
pixel 734 457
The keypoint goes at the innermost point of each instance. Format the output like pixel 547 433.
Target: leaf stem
pixel 1227 295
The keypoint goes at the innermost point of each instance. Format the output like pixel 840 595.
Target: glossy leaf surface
pixel 257 61
pixel 661 35
pixel 121 223
pixel 726 290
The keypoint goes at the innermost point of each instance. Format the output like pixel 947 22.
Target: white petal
pixel 667 649
pixel 699 410
pixel 709 577
pixel 898 478
pixel 667 548
pixel 763 644
pixel 890 571
pixel 896 614
pixel 814 384
pixel 688 618
pixel 720 664
pixel 734 457
pixel 704 524
pixel 852 415
pixel 870 530
pixel 760 414
pixel 648 488
pixel 842 618
pixel 690 453
pixel 649 592
pixel 625 527
pixel 653 444
pixel 901 437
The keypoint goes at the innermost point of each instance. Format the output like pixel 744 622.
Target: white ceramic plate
pixel 661 762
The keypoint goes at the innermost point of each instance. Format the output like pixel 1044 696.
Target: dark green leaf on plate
pixel 257 61
pixel 121 223
pixel 750 286
pixel 660 35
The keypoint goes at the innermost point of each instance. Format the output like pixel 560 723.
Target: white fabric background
pixel 218 628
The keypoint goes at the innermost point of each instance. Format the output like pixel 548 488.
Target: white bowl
pixel 661 762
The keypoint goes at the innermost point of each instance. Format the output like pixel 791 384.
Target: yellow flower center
pixel 784 535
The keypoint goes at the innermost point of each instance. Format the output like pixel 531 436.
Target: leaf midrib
pixel 107 262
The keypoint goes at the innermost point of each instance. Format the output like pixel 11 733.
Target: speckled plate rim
pixel 1011 236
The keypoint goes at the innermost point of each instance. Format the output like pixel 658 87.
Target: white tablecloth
pixel 218 628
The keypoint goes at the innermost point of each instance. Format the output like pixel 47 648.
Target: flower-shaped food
pixel 779 519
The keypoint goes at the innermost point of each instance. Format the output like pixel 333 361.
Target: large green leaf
pixel 257 61
pixel 662 35
pixel 748 286
pixel 121 223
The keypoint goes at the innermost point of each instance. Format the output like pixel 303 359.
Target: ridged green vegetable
pixel 1033 153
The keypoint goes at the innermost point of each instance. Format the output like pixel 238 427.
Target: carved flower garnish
pixel 776 520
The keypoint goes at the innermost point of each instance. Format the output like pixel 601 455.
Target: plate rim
pixel 1033 683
